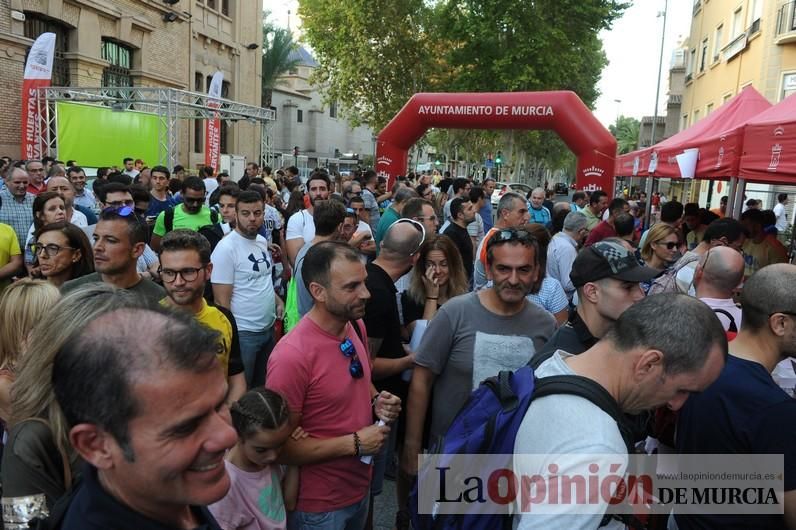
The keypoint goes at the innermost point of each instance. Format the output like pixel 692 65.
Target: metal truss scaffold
pixel 170 105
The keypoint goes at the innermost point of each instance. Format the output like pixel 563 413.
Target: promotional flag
pixel 213 126
pixel 38 74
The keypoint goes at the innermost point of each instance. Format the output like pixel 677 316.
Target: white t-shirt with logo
pixel 300 226
pixel 246 265
pixel 272 221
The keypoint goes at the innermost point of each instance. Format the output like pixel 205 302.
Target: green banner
pixel 96 136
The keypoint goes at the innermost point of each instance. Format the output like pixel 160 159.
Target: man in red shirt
pixel 605 229
pixel 36 172
pixel 323 370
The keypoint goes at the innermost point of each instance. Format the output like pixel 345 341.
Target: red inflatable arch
pixel 560 111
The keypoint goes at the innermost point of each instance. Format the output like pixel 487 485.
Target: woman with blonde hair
pixel 22 305
pixel 39 464
pixel 438 276
pixel 660 248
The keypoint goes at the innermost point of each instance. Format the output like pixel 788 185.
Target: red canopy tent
pixel 719 138
pixel 769 144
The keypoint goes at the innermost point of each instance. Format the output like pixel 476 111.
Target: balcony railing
pixel 786 19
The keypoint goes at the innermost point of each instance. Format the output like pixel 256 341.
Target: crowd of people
pixel 181 351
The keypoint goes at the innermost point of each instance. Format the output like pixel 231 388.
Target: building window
pixel 684 123
pixel 691 62
pixel 198 125
pixel 717 43
pixel 709 109
pixel 225 7
pixel 756 12
pixel 788 85
pixel 704 59
pixel 35 25
pixel 737 22
pixel 333 109
pixel 210 3
pixel 120 57
pixel 299 116
pixel 695 118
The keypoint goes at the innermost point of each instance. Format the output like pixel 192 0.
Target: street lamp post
pixel 648 208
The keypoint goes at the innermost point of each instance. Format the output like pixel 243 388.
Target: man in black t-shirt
pixel 399 250
pixel 462 213
pixel 744 411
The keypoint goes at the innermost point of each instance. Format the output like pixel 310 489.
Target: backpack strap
pixel 213 217
pixel 733 327
pixel 586 388
pixel 168 219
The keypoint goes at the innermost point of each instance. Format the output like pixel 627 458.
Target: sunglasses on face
pixel 355 365
pixel 119 204
pixel 193 200
pixel 671 245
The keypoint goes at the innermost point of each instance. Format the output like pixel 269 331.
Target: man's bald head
pixel 722 268
pixel 402 239
pixel 768 291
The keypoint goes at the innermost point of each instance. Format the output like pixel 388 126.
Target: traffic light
pixel 437 162
pixel 499 157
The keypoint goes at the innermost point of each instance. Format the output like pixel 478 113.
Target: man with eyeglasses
pixel 322 369
pixel 744 411
pixel 563 249
pixel 718 275
pixel 422 211
pixel 300 227
pixel 119 240
pixel 36 172
pixel 242 282
pixel 475 336
pixel 191 214
pixel 185 269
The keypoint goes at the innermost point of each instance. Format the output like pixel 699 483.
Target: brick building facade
pixel 149 43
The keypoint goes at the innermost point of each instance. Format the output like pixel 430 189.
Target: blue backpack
pixel 488 424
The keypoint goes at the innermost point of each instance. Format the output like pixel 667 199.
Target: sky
pixel 632 45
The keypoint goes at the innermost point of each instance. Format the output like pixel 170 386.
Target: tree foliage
pixel 626 131
pixel 277 46
pixel 375 55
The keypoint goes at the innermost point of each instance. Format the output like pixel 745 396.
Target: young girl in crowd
pixel 261 493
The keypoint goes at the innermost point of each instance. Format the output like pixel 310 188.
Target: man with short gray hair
pixel 643 362
pixel 393 213
pixel 745 411
pixel 539 212
pixel 16 204
pixel 563 249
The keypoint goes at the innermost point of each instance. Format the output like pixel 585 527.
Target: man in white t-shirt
pixel 718 274
pixel 300 227
pixel 211 184
pixel 242 283
pixel 643 362
pixel 779 212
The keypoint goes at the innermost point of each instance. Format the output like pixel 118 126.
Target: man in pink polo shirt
pixel 322 368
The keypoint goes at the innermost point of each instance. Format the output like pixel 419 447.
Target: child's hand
pixel 299 434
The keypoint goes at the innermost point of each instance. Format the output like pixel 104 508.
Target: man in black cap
pixel 606 276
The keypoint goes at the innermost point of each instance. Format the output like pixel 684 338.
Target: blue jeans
pixel 255 347
pixel 352 517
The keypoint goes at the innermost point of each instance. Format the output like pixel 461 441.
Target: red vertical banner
pixel 38 74
pixel 213 125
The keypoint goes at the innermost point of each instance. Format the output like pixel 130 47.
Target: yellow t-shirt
pixel 758 255
pixel 215 320
pixel 9 246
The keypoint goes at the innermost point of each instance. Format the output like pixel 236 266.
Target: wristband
pixel 357 445
pixel 431 298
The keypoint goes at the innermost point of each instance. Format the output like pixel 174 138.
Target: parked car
pixel 503 187
pixel 561 188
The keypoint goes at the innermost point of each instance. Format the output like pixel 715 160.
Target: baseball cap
pixel 607 259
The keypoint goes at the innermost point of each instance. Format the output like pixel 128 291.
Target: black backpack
pixel 212 232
